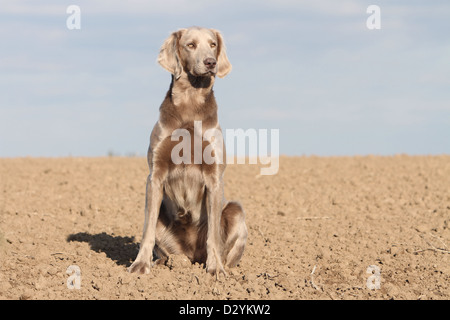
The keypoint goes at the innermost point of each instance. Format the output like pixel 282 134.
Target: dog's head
pixel 196 51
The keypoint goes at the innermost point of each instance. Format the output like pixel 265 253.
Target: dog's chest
pixel 185 190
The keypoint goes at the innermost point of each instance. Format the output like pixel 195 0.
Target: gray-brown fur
pixel 186 212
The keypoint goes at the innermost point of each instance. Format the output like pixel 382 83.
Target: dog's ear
pixel 169 57
pixel 224 66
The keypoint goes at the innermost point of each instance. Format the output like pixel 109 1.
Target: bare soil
pixel 314 230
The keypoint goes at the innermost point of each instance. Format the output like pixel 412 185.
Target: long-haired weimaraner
pixel 185 209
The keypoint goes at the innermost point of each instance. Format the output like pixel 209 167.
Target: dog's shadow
pixel 122 250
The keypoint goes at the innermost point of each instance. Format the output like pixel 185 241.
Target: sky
pixel 311 69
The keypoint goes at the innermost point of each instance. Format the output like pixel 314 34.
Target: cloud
pixel 310 68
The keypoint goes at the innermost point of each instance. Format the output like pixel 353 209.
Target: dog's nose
pixel 210 63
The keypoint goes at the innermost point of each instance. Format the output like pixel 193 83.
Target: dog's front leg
pixel 154 195
pixel 213 241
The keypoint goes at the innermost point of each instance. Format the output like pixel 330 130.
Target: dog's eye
pixel 213 45
pixel 191 45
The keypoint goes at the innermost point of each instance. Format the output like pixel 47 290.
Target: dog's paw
pixel 214 267
pixel 139 266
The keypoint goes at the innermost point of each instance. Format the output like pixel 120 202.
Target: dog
pixel 185 209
